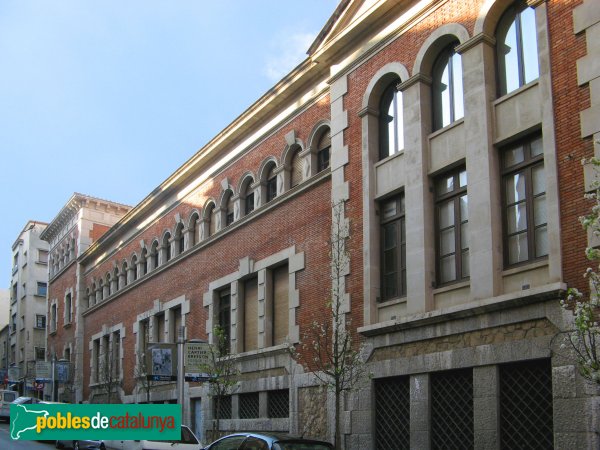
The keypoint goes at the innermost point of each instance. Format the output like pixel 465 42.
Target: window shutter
pixel 280 304
pixel 296 177
pixel 251 315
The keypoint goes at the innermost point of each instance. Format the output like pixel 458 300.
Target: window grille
pixel 278 403
pixel 526 405
pixel 392 413
pixel 452 409
pixel 248 404
pixel 225 407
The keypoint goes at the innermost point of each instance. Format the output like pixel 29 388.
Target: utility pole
pixel 180 369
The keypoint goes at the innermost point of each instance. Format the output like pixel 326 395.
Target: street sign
pixel 38 386
pixel 161 359
pixel 197 361
pixel 62 371
pixel 14 373
pixel 43 371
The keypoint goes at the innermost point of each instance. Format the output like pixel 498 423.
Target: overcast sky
pixel 108 98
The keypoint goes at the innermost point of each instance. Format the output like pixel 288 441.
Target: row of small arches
pixel 297 165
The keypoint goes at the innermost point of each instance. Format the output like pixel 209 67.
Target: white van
pixel 6 398
pixel 188 441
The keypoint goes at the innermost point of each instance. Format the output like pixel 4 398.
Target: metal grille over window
pixel 278 403
pixel 452 409
pixel 248 405
pixel 526 405
pixel 225 407
pixel 392 413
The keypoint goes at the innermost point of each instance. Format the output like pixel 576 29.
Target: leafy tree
pixel 328 346
pixel 584 339
pixel 224 373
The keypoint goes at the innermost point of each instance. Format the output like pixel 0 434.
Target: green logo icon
pixel 106 422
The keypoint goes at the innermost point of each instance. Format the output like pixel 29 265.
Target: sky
pixel 108 98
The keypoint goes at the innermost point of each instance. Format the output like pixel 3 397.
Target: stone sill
pixel 501 302
pixel 448 127
pixel 392 302
pixel 525 267
pixel 281 348
pixel 388 158
pixel 452 287
pixel 516 92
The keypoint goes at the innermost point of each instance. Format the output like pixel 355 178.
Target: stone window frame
pixel 68 316
pixel 369 115
pixel 249 268
pixel 159 307
pixel 247 180
pixel 260 186
pixel 106 331
pixel 310 154
pixel 512 14
pixel 294 149
pixel 53 313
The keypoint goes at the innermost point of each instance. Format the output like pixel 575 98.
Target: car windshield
pixel 23 400
pixel 9 396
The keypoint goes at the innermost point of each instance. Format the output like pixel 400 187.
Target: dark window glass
pixel 42 288
pixel 447 88
pixel 516 48
pixel 391 126
pixel 249 202
pixel 524 196
pixel 393 248
pixel 323 151
pixel 225 316
pixel 452 226
pixel 271 184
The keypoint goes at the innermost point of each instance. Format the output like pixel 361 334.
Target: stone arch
pixel 380 81
pixel 435 43
pixel 489 15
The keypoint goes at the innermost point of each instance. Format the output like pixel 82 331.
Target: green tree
pixel 328 347
pixel 224 373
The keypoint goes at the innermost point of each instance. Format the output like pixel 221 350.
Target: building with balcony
pixel 28 287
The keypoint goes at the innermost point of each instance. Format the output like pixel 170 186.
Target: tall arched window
pixel 211 217
pixel 391 123
pixel 179 239
pixel 271 183
pixel 229 215
pixel 194 230
pixel 166 247
pixel 144 261
pixel 154 254
pixel 248 194
pixel 516 48
pixel 134 267
pixel 447 88
pixel 296 169
pixel 124 273
pixel 323 150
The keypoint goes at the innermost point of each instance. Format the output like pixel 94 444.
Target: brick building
pixel 452 132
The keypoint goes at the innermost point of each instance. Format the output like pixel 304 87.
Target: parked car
pixel 188 441
pixel 6 398
pixel 25 401
pixel 267 441
pixel 81 445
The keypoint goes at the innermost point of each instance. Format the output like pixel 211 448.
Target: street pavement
pixel 7 443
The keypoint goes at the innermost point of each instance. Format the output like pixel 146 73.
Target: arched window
pixel 391 123
pixel 166 247
pixel 144 262
pixel 124 273
pixel 271 183
pixel 194 230
pixel 154 254
pixel 179 239
pixel 447 88
pixel 212 219
pixel 248 196
pixel 134 268
pixel 323 150
pixel 516 48
pixel 229 216
pixel 296 169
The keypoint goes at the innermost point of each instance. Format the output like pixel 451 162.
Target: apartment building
pixel 449 133
pixel 27 323
pixel 81 222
